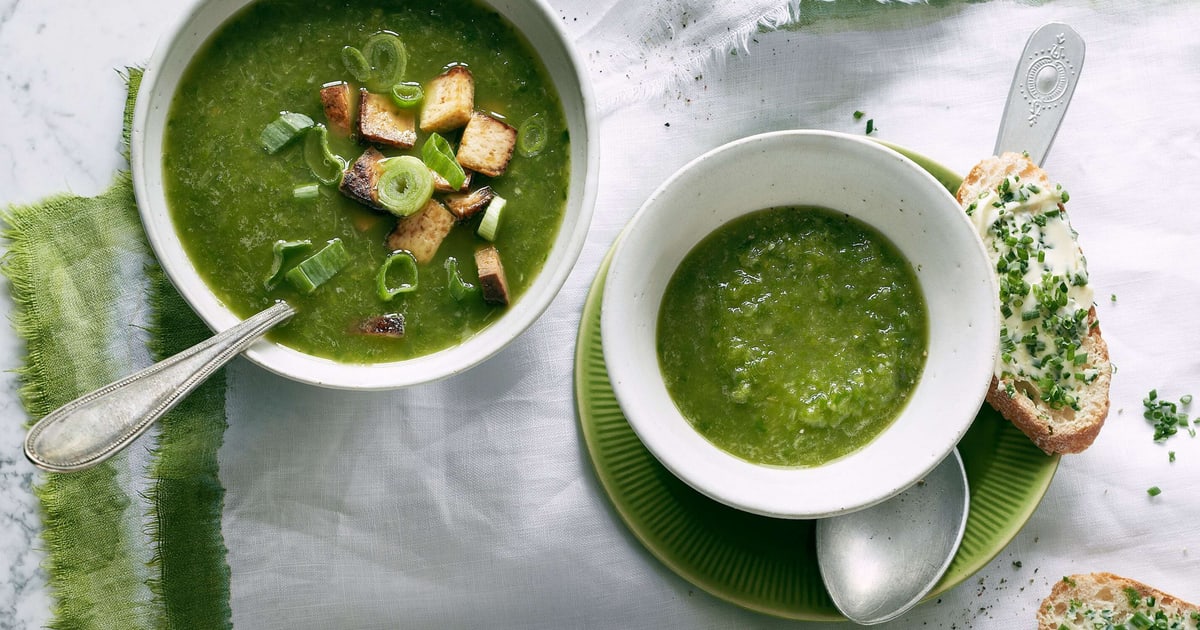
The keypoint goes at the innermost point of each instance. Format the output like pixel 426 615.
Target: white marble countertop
pixel 1129 152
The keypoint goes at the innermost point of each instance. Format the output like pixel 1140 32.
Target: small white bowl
pixel 540 25
pixel 869 182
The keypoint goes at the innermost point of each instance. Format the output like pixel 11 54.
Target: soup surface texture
pixel 792 336
pixel 231 201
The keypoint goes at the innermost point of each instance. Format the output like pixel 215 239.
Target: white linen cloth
pixel 471 502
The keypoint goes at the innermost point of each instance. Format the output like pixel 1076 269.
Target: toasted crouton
pixel 381 121
pixel 449 101
pixel 487 145
pixel 335 98
pixel 441 185
pixel 390 325
pixel 422 233
pixel 464 205
pixel 491 275
pixel 360 179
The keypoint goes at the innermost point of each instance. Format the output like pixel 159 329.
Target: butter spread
pixel 1044 291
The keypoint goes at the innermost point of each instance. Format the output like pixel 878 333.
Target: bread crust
pixel 1106 591
pixel 1062 430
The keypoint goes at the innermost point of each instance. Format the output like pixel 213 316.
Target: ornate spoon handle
pixel 1042 87
pixel 94 427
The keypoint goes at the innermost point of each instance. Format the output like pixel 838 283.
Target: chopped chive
pixel 306 192
pixel 325 166
pixel 439 157
pixel 317 269
pixel 858 115
pixel 1171 456
pixel 281 252
pixel 1185 399
pixel 407 264
pixel 281 131
pixel 406 95
pixel 531 136
pixel 491 218
pixel 1154 491
pixel 1113 297
pixel 459 289
pixel 405 185
pixel 356 64
pixel 870 126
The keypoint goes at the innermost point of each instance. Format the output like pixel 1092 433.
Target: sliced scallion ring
pixel 405 185
pixel 532 136
pixel 407 270
pixel 307 192
pixel 459 288
pixel 281 131
pixel 388 59
pixel 325 166
pixel 282 251
pixel 317 269
pixel 491 218
pixel 356 64
pixel 407 95
pixel 439 157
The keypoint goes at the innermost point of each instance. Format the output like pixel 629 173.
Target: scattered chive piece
pixel 459 289
pixel 491 218
pixel 281 131
pixel 1185 399
pixel 281 251
pixel 388 59
pixel 1141 620
pixel 408 275
pixel 405 185
pixel 1113 297
pixel 1154 491
pixel 439 157
pixel 317 269
pixel 870 126
pixel 325 166
pixel 531 136
pixel 356 64
pixel 858 115
pixel 307 192
pixel 1165 416
pixel 1171 456
pixel 406 95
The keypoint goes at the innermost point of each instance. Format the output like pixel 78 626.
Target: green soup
pixel 231 201
pixel 792 336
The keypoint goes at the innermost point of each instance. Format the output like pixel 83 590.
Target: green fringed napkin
pixel 75 265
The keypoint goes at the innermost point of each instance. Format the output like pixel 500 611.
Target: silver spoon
pixel 96 426
pixel 880 562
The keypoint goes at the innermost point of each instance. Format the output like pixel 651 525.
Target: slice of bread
pixel 1103 600
pixel 1054 430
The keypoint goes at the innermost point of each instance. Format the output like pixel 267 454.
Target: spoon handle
pixel 1045 79
pixel 96 426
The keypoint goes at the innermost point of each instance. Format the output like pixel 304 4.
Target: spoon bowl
pixel 879 562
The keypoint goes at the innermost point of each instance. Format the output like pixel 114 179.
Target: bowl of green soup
pixel 800 324
pixel 415 177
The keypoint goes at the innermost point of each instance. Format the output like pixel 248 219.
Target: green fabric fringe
pixel 63 266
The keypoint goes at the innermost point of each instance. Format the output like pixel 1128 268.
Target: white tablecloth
pixel 472 502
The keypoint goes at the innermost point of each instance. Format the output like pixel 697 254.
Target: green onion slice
pixel 307 192
pixel 407 271
pixel 491 218
pixel 531 136
pixel 439 157
pixel 325 166
pixel 388 60
pixel 356 64
pixel 282 252
pixel 279 132
pixel 407 95
pixel 405 185
pixel 459 289
pixel 317 269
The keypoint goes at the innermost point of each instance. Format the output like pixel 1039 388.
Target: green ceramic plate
pixel 770 565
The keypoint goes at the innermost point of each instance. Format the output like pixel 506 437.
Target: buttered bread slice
pixel 1053 372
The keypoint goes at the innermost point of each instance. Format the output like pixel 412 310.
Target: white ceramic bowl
pixel 871 183
pixel 540 25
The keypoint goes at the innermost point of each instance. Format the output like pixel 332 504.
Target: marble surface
pixel 1128 147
